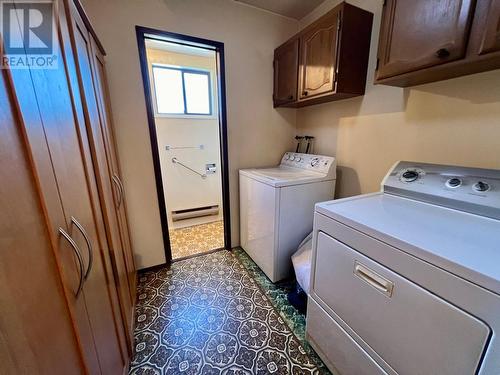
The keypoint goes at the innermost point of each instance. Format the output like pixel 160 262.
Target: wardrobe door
pixel 33 307
pixel 94 293
pixel 94 182
pixel 102 162
pixel 50 166
pixel 107 128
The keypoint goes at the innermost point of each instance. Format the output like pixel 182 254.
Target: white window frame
pixel 213 112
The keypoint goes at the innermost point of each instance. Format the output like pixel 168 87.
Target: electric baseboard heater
pixel 195 212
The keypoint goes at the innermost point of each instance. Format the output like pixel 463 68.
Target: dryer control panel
pixel 474 190
pixel 317 163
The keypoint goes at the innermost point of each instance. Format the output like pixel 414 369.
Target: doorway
pixel 184 87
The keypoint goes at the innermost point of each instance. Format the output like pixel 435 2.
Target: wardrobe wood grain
pixel 29 271
pixel 96 128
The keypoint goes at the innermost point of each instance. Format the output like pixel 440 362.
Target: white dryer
pixel 407 281
pixel 277 208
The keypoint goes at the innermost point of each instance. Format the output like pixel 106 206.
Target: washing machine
pixel 407 280
pixel 277 208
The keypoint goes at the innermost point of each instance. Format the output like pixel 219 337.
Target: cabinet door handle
pixel 89 246
pixel 443 53
pixel 290 97
pixel 74 246
pixel 305 93
pixel 374 279
pixel 121 186
pixel 118 185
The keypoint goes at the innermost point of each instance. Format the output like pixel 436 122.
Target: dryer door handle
pixel 373 279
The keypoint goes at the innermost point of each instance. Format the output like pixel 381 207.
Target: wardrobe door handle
pixel 89 245
pixel 78 256
pixel 121 187
pixel 118 185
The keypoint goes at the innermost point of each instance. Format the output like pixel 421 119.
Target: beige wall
pixel 455 121
pixel 258 134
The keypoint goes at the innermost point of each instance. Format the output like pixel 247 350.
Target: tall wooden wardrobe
pixel 67 274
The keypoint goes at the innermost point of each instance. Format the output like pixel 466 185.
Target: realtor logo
pixel 28 34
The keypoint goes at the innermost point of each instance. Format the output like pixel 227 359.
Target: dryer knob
pixel 481 186
pixel 454 182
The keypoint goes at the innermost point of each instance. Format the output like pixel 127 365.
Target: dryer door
pixel 412 330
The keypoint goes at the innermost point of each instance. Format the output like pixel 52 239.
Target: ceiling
pixel 290 8
pixel 178 48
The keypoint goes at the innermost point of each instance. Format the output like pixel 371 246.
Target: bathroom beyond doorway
pixel 182 79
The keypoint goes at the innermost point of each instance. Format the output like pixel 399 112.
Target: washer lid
pixel 464 244
pixel 284 176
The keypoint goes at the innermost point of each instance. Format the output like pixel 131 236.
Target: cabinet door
pixel 93 305
pixel 109 142
pixel 420 34
pixel 119 297
pixel 108 189
pixel 92 126
pixel 33 308
pixel 318 57
pixel 55 163
pixel 491 37
pixel 286 63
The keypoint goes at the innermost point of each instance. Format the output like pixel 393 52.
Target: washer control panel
pixel 474 190
pixel 318 163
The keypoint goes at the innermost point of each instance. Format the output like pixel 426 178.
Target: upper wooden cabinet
pixel 426 41
pixel 437 34
pixel 326 61
pixel 318 56
pixel 491 35
pixel 286 62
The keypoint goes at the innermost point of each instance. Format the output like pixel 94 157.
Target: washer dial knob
pixel 481 186
pixel 409 176
pixel 292 158
pixel 453 182
pixel 314 162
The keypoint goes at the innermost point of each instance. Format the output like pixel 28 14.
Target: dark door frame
pixel 144 33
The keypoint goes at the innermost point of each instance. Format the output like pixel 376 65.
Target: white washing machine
pixel 277 208
pixel 407 281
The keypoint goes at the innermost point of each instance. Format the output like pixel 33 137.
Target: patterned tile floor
pixel 277 294
pixel 196 239
pixel 208 315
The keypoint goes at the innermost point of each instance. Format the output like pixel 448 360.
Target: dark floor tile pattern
pixel 207 315
pixel 278 296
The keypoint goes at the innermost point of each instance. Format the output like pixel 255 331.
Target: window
pixel 182 91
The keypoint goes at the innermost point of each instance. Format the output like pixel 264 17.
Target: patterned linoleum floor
pixel 208 315
pixel 278 295
pixel 196 239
